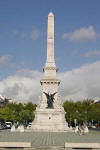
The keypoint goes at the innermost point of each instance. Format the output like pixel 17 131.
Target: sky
pixel 23 35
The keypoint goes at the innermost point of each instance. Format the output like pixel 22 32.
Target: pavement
pixel 49 140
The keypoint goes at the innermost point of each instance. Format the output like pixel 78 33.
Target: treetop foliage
pixel 18 112
pixel 85 110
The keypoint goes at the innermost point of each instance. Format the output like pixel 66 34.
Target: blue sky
pixel 23 29
pixel 20 18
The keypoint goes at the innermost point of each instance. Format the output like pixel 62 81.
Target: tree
pixel 30 106
pixel 18 112
pixel 85 110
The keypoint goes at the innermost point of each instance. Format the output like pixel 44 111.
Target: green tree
pixel 85 110
pixel 18 112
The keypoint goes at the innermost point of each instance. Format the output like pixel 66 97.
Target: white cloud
pixel 81 35
pixel 35 33
pixel 22 86
pixel 95 52
pixel 4 61
pixel 76 84
pixel 81 83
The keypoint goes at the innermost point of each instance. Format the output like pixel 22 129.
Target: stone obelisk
pixel 50 41
pixel 46 118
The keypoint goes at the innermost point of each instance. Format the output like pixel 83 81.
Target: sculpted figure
pixel 50 99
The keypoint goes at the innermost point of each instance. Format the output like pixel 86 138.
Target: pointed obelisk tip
pixel 51 14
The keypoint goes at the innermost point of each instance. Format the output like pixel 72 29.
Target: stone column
pixel 50 39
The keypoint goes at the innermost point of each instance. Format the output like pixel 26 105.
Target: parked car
pixel 8 124
pixel 30 124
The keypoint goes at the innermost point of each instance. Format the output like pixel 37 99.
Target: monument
pixel 49 114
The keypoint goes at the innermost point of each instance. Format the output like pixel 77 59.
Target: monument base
pixel 50 120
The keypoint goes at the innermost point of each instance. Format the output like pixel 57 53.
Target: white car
pixel 30 124
pixel 8 124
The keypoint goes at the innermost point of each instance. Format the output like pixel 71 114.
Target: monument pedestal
pixel 51 120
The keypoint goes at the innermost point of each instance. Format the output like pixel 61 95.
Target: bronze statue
pixel 50 99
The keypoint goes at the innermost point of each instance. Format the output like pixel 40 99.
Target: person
pixel 81 129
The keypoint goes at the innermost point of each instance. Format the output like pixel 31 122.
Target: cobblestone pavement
pixel 48 139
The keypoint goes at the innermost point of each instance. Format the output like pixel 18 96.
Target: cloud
pixel 81 83
pixel 81 35
pixel 23 86
pixel 95 52
pixel 4 61
pixel 35 34
pixel 77 84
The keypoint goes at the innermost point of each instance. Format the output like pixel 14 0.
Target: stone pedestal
pixel 13 128
pixel 20 128
pixel 52 120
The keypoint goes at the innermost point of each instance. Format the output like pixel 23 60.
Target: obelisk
pixel 50 41
pixel 50 118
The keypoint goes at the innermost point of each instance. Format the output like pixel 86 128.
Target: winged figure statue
pixel 50 99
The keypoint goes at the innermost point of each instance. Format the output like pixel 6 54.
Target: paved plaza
pixel 48 139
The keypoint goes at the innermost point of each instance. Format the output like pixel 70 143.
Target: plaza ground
pixel 48 139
